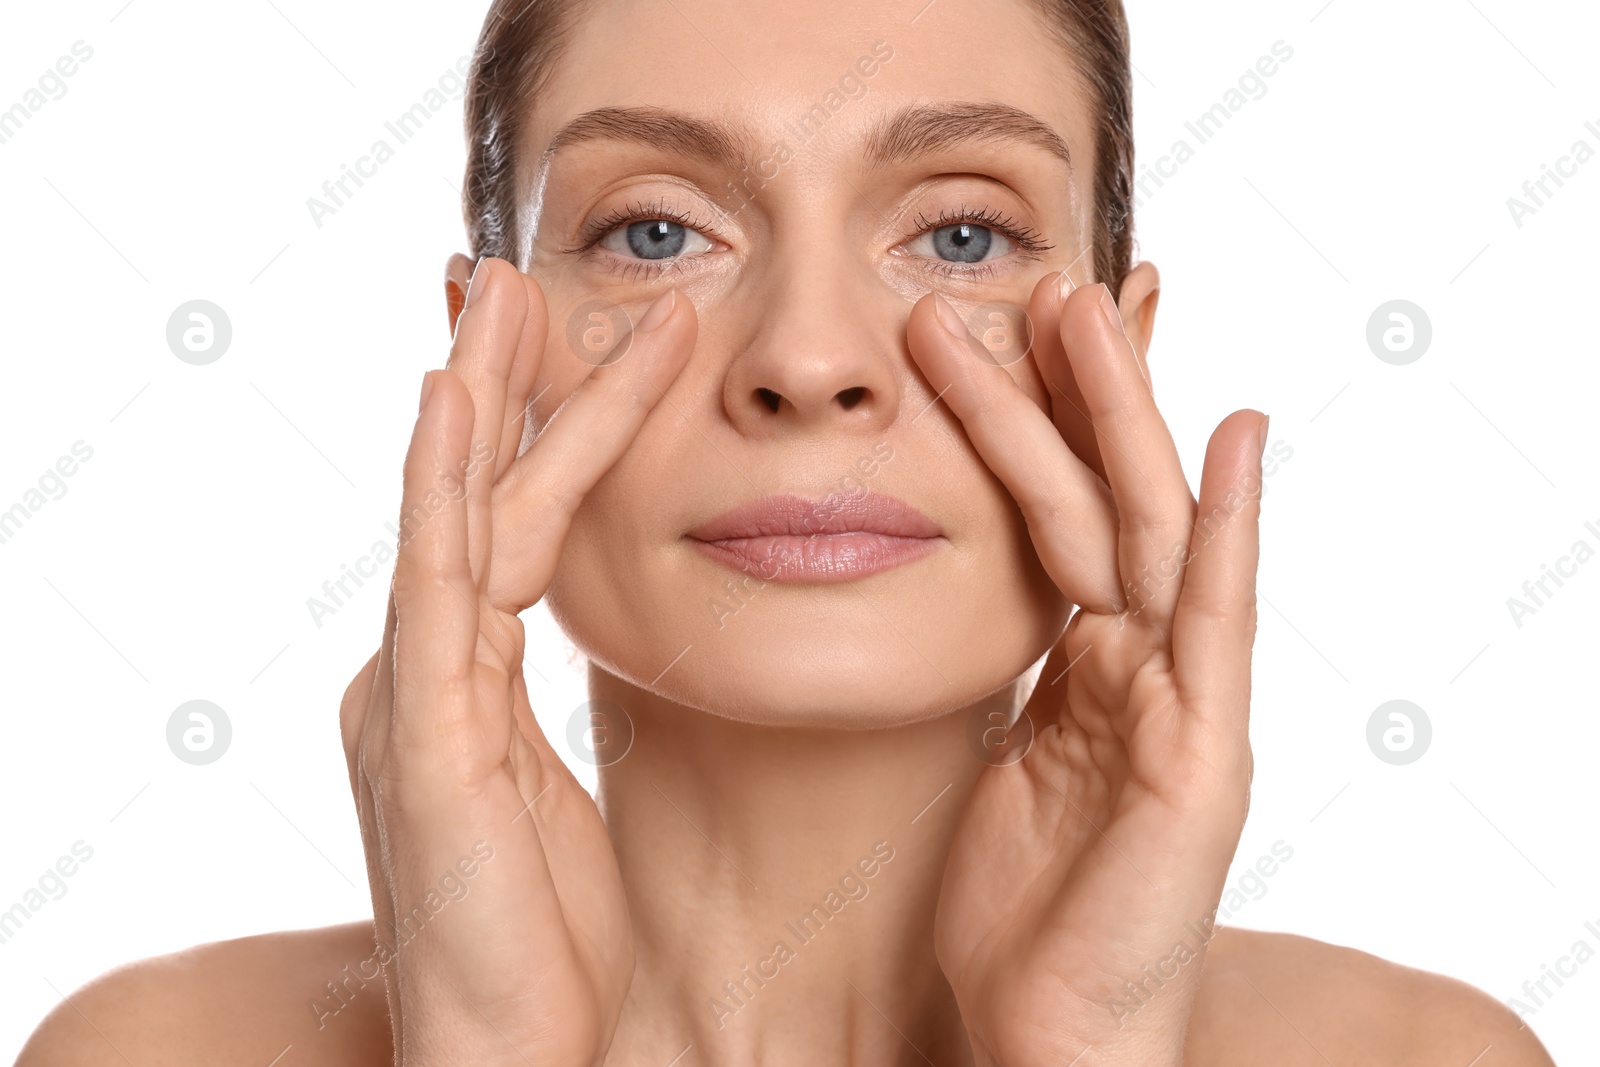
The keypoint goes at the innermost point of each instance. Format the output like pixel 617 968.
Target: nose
pixel 823 356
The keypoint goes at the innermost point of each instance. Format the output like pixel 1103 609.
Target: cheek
pixel 1021 602
pixel 602 594
pixel 902 646
pixel 622 590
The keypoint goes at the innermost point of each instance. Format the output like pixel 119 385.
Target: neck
pixel 782 884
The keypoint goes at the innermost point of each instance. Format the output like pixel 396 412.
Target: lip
pixel 843 536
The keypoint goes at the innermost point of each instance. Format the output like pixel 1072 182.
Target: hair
pixel 521 40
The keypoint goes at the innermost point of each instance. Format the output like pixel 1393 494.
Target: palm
pixel 568 910
pixel 1090 844
pixel 544 917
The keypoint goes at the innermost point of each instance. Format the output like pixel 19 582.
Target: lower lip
pixel 836 557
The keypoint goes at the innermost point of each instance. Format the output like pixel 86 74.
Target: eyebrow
pixel 927 129
pixel 653 127
pixel 913 132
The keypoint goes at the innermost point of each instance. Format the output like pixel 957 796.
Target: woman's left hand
pixel 1082 882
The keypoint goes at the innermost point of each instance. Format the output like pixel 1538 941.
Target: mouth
pixel 842 537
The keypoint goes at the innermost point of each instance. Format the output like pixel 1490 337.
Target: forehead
pixel 826 71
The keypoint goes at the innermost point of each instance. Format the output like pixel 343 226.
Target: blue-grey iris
pixel 656 238
pixel 963 242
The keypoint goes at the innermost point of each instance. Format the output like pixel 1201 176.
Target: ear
pixel 457 273
pixel 1141 289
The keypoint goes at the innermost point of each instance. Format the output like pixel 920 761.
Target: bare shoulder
pixel 247 1000
pixel 1285 1000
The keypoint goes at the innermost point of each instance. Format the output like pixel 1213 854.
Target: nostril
pixel 849 398
pixel 769 398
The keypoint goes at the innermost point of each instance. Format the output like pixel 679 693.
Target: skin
pixel 772 756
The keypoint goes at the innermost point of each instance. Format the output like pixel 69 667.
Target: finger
pixel 374 738
pixel 1068 410
pixel 1069 510
pixel 353 711
pixel 378 883
pixel 1215 620
pixel 1153 501
pixel 356 711
pixel 436 616
pixel 520 398
pixel 535 500
pixel 487 338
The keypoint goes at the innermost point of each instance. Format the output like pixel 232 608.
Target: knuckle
pixel 419 581
pixel 358 693
pixel 552 498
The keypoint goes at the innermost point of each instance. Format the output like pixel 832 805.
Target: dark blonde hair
pixel 522 39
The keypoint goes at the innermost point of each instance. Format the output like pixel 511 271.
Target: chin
pixel 902 646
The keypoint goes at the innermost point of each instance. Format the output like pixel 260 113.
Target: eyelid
pixel 1029 244
pixel 596 230
pixel 1023 236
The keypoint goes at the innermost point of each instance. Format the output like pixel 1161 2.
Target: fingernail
pixel 1064 286
pixel 948 317
pixel 1108 304
pixel 480 280
pixel 659 312
pixel 1265 420
pixel 427 389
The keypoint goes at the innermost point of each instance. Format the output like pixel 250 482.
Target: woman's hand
pixel 454 782
pixel 1081 885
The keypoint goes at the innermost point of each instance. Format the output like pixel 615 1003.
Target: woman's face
pixel 802 173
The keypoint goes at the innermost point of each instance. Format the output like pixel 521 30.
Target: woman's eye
pixel 655 239
pixel 961 242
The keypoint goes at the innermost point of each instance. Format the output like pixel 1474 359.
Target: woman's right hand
pixel 450 771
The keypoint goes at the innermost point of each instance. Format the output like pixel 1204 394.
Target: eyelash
pixel 597 229
pixel 1028 241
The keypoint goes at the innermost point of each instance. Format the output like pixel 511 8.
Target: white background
pixel 1417 499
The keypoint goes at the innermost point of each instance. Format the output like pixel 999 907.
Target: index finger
pixel 534 502
pixel 1069 510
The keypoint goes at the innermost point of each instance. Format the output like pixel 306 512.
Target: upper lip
pixel 786 515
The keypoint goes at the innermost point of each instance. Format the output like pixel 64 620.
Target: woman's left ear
pixel 1141 290
pixel 457 273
